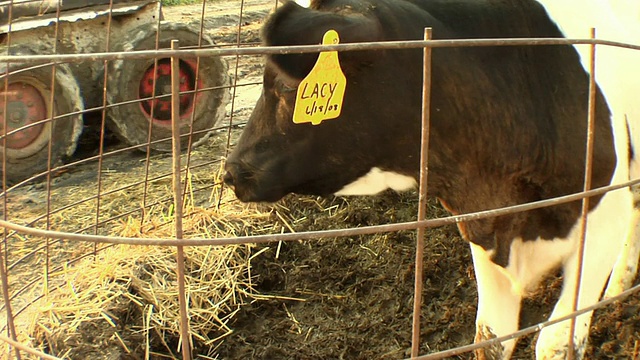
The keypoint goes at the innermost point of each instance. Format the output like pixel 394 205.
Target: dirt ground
pixel 351 298
pixel 355 295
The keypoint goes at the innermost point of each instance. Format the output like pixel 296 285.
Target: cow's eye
pixel 283 88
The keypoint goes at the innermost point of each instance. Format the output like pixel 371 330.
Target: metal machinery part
pixel 34 118
pixel 204 85
pixel 26 109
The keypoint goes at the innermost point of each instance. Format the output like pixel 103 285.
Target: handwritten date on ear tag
pixel 320 94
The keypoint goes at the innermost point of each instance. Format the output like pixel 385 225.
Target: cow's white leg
pixel 626 267
pixel 553 341
pixel 498 305
pixel 606 227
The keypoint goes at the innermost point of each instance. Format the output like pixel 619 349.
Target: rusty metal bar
pixel 5 258
pixel 177 194
pixel 7 301
pixel 587 186
pixel 5 98
pixel 147 164
pixel 298 49
pixel 50 114
pixel 261 239
pixel 7 298
pixel 195 95
pixel 422 199
pixel 103 121
pixel 233 95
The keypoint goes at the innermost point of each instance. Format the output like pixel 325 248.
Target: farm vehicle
pixel 42 109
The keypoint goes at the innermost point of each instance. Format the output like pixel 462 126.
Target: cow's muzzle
pixel 238 179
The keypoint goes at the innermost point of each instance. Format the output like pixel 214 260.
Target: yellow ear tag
pixel 320 94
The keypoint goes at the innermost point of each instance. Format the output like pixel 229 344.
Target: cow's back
pixel 508 123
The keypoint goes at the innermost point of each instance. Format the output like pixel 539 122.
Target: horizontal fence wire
pixel 300 49
pixel 365 230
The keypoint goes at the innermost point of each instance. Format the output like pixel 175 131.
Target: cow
pixel 508 126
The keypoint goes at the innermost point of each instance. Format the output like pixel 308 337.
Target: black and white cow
pixel 508 127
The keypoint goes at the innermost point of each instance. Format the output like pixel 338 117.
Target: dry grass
pixel 122 282
pixel 134 288
pixel 126 297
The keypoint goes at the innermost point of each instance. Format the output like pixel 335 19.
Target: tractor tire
pixel 130 80
pixel 28 101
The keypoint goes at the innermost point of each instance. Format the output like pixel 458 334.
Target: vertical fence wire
pixel 5 99
pixel 147 164
pixel 234 87
pixel 6 296
pixel 192 117
pixel 51 112
pixel 177 194
pixel 103 120
pixel 587 186
pixel 4 259
pixel 422 201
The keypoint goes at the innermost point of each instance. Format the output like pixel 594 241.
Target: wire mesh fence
pixel 120 238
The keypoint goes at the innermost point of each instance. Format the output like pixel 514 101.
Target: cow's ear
pixel 296 25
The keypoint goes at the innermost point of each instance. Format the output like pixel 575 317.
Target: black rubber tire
pixel 25 162
pixel 130 122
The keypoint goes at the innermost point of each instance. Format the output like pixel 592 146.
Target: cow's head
pixel 275 157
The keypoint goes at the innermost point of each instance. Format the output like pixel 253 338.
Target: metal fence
pixel 40 240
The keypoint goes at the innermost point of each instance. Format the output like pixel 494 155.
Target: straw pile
pixel 123 302
pixel 127 299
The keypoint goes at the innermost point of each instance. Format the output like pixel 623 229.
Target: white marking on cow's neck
pixel 377 180
pixel 303 3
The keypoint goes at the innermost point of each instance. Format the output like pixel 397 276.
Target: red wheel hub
pixel 25 106
pixel 159 109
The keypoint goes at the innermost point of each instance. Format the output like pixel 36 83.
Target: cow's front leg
pixel 626 267
pixel 607 228
pixel 498 306
pixel 553 341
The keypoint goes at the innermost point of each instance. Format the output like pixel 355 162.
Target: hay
pixel 131 290
pixel 124 300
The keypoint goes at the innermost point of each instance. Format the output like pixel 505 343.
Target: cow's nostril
pixel 228 178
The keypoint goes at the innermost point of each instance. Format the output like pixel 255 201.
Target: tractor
pixel 42 106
